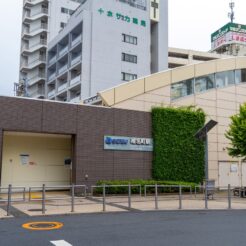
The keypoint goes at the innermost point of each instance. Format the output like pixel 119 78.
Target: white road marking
pixel 61 243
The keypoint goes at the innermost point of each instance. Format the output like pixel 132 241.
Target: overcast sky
pixel 190 24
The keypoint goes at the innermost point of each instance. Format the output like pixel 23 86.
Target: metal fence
pixel 156 196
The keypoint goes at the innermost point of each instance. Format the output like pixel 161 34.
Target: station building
pixel 218 87
pixel 38 138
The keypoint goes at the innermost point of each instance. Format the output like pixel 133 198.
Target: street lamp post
pixel 202 135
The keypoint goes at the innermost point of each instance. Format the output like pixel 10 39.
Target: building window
pixel 240 76
pixel 129 58
pixel 129 39
pixel 63 24
pixel 128 76
pixel 67 11
pixel 224 79
pixel 204 83
pixel 182 89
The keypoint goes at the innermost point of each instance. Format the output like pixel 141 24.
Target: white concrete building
pixel 42 20
pixel 106 43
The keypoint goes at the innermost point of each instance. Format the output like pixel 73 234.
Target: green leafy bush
pixel 136 190
pixel 178 155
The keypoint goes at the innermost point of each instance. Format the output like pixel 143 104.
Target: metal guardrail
pixel 104 187
pixel 224 194
pixel 179 188
pixel 44 189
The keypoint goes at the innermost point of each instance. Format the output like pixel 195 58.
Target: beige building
pixel 180 57
pixel 217 86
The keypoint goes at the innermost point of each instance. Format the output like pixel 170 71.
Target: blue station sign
pixel 128 143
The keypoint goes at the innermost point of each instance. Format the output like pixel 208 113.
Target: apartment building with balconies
pixel 106 43
pixel 42 20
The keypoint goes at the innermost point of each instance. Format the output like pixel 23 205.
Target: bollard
pixel 206 196
pixel 24 195
pixel 104 198
pixel 140 192
pixel 29 194
pixel 229 196
pixel 43 199
pixel 91 191
pixel 9 199
pixel 156 197
pixel 190 192
pixel 86 191
pixel 129 196
pixel 180 197
pixel 72 200
pixel 195 191
pixel 145 191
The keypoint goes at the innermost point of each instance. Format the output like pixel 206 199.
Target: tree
pixel 237 134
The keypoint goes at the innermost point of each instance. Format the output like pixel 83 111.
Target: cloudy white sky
pixel 190 24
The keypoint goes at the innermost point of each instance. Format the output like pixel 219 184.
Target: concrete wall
pixel 88 125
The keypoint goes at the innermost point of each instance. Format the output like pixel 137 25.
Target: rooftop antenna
pixel 231 15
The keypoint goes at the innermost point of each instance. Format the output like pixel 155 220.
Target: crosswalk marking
pixel 61 243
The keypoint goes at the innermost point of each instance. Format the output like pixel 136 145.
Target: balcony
pixel 35 79
pixel 28 17
pixel 32 2
pixel 63 51
pixel 39 93
pixel 77 40
pixel 62 87
pixel 26 48
pixel 30 65
pixel 75 80
pixel 52 76
pixel 28 32
pixel 75 99
pixel 52 60
pixel 75 60
pixel 63 69
pixel 52 93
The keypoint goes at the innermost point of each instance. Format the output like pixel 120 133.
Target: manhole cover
pixel 42 226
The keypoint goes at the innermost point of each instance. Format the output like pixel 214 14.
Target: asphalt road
pixel 182 228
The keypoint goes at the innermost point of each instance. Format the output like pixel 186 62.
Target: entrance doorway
pixel 31 159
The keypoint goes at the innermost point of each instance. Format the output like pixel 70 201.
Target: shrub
pixel 135 190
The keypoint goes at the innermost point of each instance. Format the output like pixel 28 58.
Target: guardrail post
pixel 129 196
pixel 191 191
pixel 72 200
pixel 180 197
pixel 145 191
pixel 104 198
pixel 206 195
pixel 229 196
pixel 9 199
pixel 156 196
pixel 24 194
pixel 86 191
pixel 140 192
pixel 29 194
pixel 43 199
